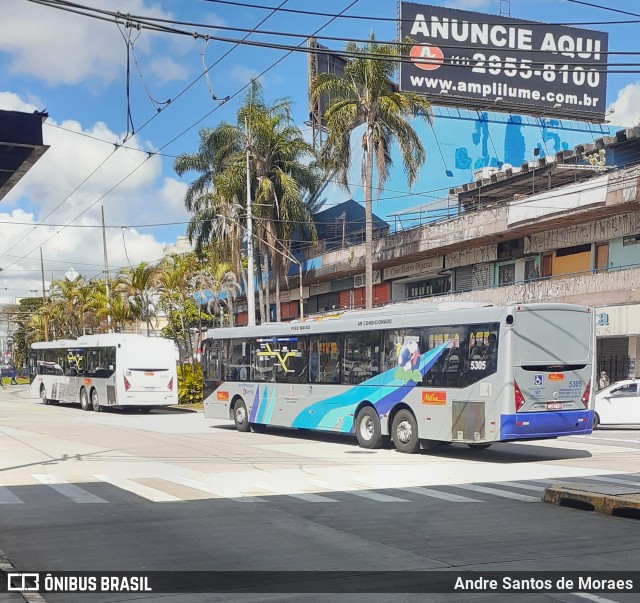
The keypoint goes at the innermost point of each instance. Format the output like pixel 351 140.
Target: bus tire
pixel 482 446
pixel 596 421
pixel 368 429
pixel 95 401
pixel 84 400
pixel 241 416
pixel 405 432
pixel 43 395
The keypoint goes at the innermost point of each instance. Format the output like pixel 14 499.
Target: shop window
pixel 507 274
pixel 432 286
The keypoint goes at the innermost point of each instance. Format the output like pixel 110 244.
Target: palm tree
pixel 138 285
pixel 365 96
pixel 280 175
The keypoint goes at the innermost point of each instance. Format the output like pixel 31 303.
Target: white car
pixel 618 404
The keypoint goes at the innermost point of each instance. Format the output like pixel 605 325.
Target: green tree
pixel 138 286
pixel 280 173
pixel 363 96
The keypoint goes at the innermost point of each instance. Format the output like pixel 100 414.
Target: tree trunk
pixel 278 309
pixel 368 215
pixel 267 287
pixel 230 306
pixel 260 290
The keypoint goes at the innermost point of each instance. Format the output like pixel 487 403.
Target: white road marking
pixel 441 495
pixel 138 489
pixel 496 492
pixel 9 498
pixel 377 496
pixel 598 438
pixel 595 598
pixel 521 486
pixel 612 480
pixel 76 494
pixel 215 490
pixel 308 497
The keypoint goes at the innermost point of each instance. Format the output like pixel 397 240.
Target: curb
pixel 621 501
pixel 28 597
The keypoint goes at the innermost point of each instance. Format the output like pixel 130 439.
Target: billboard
pixel 477 61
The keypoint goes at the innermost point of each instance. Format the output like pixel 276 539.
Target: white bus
pixel 426 373
pixel 105 371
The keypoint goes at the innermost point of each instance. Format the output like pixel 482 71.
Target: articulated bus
pixel 465 372
pixel 105 371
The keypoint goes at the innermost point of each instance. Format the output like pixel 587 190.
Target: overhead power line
pixel 310 13
pixel 151 24
pixel 274 64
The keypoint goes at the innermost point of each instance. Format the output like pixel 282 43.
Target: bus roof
pixel 391 316
pixel 102 339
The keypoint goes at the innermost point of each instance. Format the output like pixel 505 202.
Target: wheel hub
pixel 404 432
pixel 240 415
pixel 366 428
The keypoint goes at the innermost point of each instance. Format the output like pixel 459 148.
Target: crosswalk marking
pixel 306 496
pixel 217 491
pixel 144 491
pixel 496 492
pixel 611 480
pixel 75 493
pixel 521 486
pixel 442 495
pixel 237 492
pixel 8 498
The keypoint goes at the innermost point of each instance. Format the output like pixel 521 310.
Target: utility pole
pixel 251 296
pixel 106 273
pixel 44 300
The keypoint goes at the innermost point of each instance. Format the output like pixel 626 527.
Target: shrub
pixel 189 384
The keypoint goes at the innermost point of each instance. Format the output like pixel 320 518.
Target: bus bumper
pixel 531 425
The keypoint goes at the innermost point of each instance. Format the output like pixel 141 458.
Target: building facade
pixel 560 229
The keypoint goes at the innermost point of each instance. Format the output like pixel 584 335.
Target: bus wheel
pixel 95 401
pixel 483 446
pixel 596 420
pixel 368 429
pixel 43 395
pixel 405 432
pixel 84 400
pixel 240 415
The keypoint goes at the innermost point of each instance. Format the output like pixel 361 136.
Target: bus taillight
pixel 518 397
pixel 171 384
pixel 586 395
pixel 127 385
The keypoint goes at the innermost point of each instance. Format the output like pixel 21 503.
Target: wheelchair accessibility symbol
pixel 537 379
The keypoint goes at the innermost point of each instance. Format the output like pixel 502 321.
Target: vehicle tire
pixel 95 401
pixel 368 429
pixel 241 416
pixel 43 395
pixel 84 400
pixel 482 446
pixel 596 421
pixel 258 427
pixel 405 432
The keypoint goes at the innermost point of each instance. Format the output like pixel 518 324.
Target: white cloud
pixel 145 197
pixel 166 69
pixel 626 108
pixel 62 48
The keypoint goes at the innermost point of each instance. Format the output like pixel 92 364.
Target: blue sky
pixel 74 67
